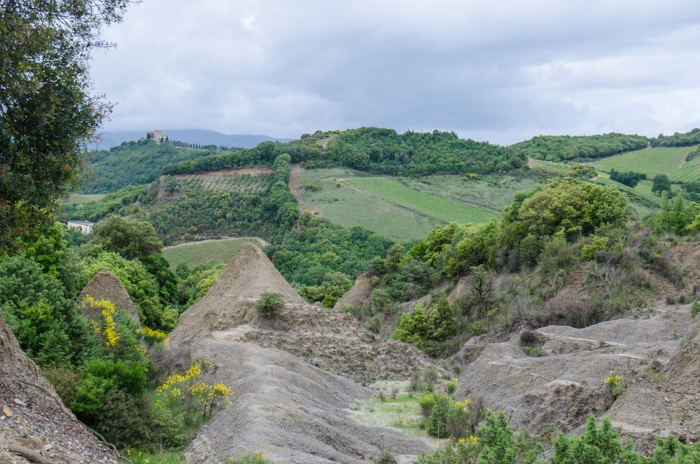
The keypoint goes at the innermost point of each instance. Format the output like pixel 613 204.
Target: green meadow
pixel 194 253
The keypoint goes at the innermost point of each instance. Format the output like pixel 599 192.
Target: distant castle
pixel 155 135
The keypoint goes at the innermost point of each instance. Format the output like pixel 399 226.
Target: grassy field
pixel 195 253
pixel 422 202
pixel 398 215
pixel 82 199
pixel 357 207
pixel 653 161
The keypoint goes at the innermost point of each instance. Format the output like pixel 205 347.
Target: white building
pixel 84 226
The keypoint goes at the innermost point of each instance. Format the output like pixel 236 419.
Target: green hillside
pixel 425 203
pixel 134 163
pixel 653 161
pixel 371 149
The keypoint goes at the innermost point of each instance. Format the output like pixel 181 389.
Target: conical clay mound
pixel 231 298
pixel 106 285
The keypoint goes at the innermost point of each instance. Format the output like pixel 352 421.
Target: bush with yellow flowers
pixel 188 399
pixel 616 384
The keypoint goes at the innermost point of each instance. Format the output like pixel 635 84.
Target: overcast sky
pixel 501 71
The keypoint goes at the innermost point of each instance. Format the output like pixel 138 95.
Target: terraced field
pixel 425 203
pixel 195 253
pixel 653 161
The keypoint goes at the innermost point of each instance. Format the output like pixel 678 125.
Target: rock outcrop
pixel 664 403
pixel 106 285
pixel 328 339
pixel 33 420
pixel 563 386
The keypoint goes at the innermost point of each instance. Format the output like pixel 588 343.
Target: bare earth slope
pixel 292 411
pixel 284 404
pixel 33 418
pixel 567 383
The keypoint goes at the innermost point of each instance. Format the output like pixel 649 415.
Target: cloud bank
pixel 500 71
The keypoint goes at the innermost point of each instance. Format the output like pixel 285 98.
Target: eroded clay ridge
pixel 326 338
pixel 566 383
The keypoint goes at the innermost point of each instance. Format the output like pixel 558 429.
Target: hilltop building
pixel 84 226
pixel 155 135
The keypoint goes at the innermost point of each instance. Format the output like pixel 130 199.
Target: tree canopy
pixel 47 111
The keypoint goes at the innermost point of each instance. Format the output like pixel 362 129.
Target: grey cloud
pixel 503 71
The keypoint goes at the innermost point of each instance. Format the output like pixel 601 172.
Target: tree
pixel 47 114
pixel 128 237
pixel 661 183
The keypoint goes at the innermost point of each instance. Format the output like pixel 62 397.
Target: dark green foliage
pixel 677 140
pixel 677 216
pixel 269 304
pixel 497 438
pixel 595 446
pixel 662 183
pixel 305 255
pixel 44 321
pixel 182 270
pixel 130 378
pixel 565 147
pixel 334 286
pixel 130 238
pixel 425 329
pixel 136 163
pixel 128 421
pixel 629 178
pixel 530 250
pixel 159 267
pixel 65 380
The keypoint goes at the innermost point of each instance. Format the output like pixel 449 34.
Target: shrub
pixel 616 384
pixel 259 458
pixel 557 255
pixel 269 304
pixel 385 457
pixel 694 309
pixel 530 250
pixel 373 324
pixel 597 244
pixel 65 381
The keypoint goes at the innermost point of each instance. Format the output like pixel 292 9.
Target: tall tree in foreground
pixel 47 111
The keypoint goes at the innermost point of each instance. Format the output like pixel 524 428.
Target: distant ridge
pixel 198 136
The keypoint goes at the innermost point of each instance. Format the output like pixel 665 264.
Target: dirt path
pixel 260 241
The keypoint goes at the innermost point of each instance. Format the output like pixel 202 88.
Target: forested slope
pixel 371 149
pixel 565 147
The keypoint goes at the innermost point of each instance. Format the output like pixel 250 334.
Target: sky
pixel 500 71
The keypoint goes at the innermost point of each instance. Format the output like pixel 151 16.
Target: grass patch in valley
pixel 195 253
pixel 422 202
